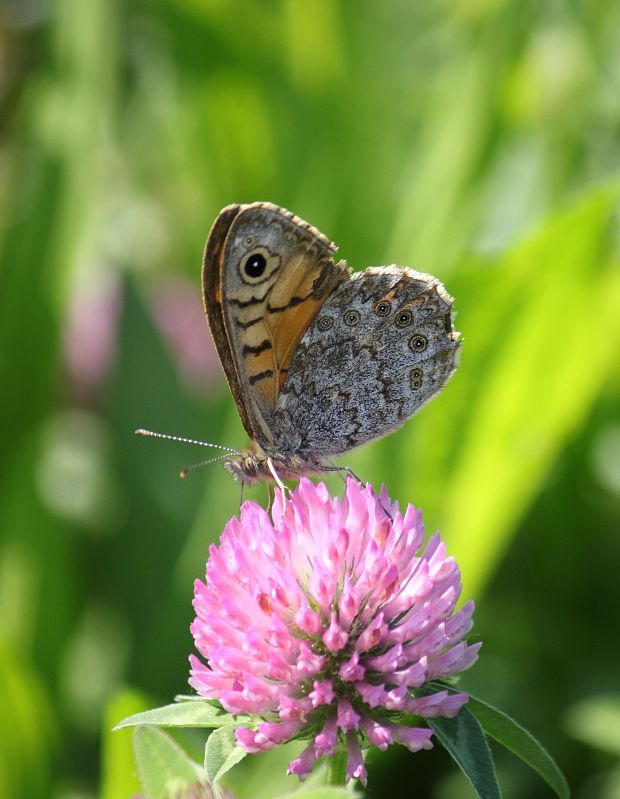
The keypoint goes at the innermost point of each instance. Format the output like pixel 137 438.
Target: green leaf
pixel 464 739
pixel 28 729
pixel 180 714
pixel 222 752
pixel 163 767
pixel 505 730
pixel 490 439
pixel 117 759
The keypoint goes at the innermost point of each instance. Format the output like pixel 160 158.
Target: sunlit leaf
pixel 180 714
pixel 490 438
pixel 163 767
pixel 222 752
pixel 117 759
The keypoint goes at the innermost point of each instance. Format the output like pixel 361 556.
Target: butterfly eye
pixel 418 343
pixel 351 317
pixel 383 308
pixel 415 377
pixel 404 318
pixel 325 322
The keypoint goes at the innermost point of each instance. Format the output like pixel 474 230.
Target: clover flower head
pixel 327 621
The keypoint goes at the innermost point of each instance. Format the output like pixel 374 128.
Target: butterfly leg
pixel 340 470
pixel 350 472
pixel 279 482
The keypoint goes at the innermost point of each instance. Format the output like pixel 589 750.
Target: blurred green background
pixel 475 139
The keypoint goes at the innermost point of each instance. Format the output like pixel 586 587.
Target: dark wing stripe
pixel 256 350
pixel 245 325
pixel 260 376
pixel 291 304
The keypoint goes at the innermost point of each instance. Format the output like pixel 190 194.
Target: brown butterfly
pixel 319 360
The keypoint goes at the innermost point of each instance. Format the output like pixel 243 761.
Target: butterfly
pixel 318 359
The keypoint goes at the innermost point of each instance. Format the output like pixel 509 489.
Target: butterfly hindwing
pixel 381 346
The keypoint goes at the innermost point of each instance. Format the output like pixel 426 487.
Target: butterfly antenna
pixel 184 472
pixel 183 440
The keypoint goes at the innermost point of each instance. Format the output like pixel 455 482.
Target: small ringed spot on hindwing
pixel 418 343
pixel 404 318
pixel 325 323
pixel 383 308
pixel 248 241
pixel 415 377
pixel 260 376
pixel 257 349
pixel 351 317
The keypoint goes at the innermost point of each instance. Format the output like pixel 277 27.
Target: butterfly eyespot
pixel 404 318
pixel 383 308
pixel 325 322
pixel 248 241
pixel 255 265
pixel 351 317
pixel 258 266
pixel 418 343
pixel 415 377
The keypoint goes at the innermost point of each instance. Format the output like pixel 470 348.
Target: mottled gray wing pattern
pixel 381 346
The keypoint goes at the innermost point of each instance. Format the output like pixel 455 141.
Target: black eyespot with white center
pixel 383 308
pixel 404 318
pixel 255 265
pixel 258 266
pixel 418 343
pixel 351 317
pixel 324 323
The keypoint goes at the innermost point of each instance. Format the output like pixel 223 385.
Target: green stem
pixel 337 769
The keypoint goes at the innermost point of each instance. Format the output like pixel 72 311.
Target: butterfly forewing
pixel 212 300
pixel 266 275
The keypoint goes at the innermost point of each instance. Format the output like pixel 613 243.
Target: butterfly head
pixel 254 465
pixel 248 467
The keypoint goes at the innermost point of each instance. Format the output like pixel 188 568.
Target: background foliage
pixel 476 139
